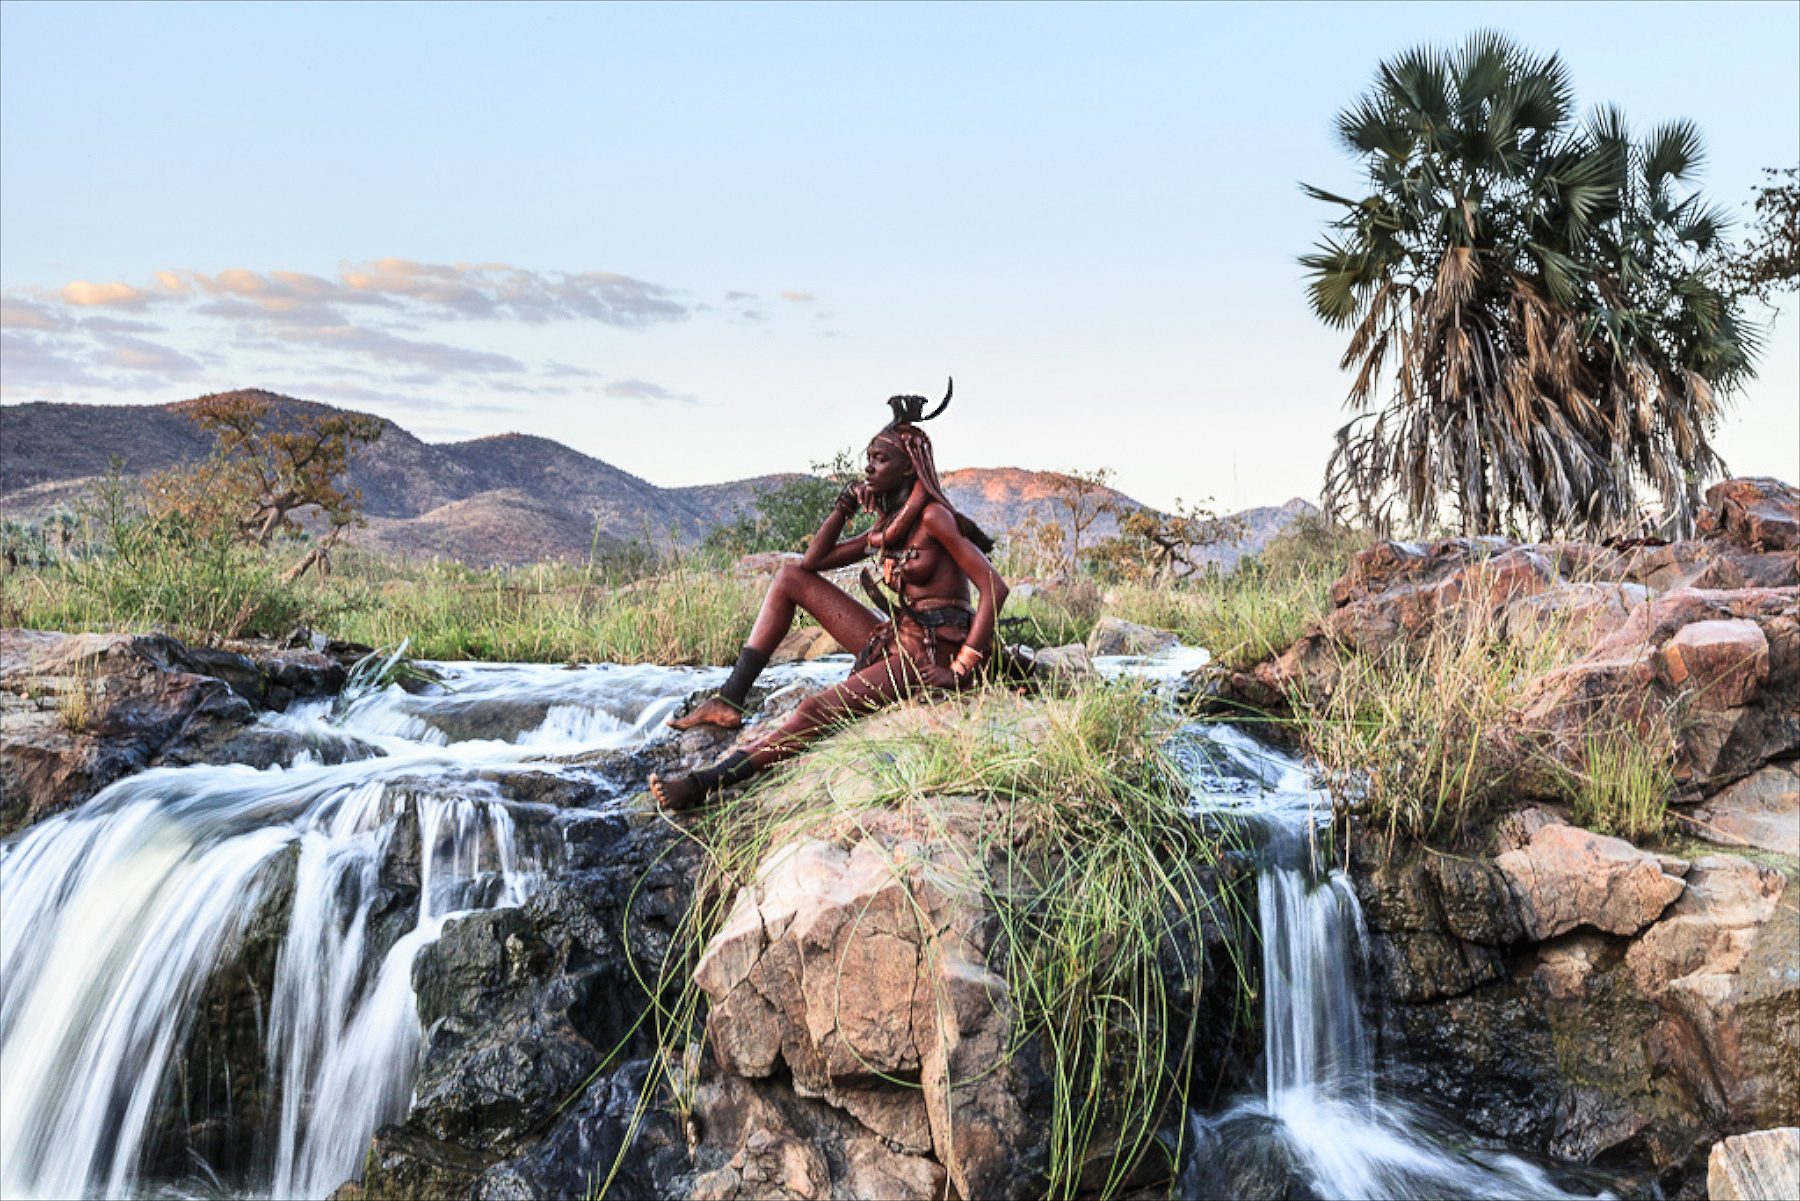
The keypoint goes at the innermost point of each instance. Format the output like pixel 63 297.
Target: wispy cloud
pixel 637 389
pixel 391 332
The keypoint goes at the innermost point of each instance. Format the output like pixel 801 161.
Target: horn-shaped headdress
pixel 910 410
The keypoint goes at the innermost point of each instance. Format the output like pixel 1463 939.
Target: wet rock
pixel 607 1139
pixel 1568 877
pixel 1612 1025
pixel 1116 636
pixel 1759 1166
pixel 78 711
pixel 406 1166
pixel 520 1006
pixel 1246 1156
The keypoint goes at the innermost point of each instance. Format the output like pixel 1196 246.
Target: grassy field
pixel 686 609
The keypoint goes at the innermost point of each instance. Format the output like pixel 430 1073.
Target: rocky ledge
pixel 78 711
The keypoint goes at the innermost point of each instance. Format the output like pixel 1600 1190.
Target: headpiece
pixel 910 410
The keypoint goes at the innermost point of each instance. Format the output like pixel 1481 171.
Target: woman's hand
pixel 940 677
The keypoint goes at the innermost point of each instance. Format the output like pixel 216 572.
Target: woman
pixel 929 555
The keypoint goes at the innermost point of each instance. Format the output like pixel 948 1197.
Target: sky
pixel 704 242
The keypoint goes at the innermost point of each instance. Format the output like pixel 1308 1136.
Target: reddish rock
pixel 1719 664
pixel 1757 513
pixel 1761 811
pixel 1567 877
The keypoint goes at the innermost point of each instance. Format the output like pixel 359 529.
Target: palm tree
pixel 1543 293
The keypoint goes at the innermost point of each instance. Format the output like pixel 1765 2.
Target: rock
pixel 1757 513
pixel 583 1150
pixel 1063 666
pixel 407 1166
pixel 1761 1166
pixel 762 1140
pixel 1720 664
pixel 1567 877
pixel 1582 612
pixel 852 965
pixel 804 644
pixel 1619 1028
pixel 519 1006
pixel 1719 966
pixel 1116 636
pixel 1762 811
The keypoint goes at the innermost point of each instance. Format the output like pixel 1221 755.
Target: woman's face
pixel 888 467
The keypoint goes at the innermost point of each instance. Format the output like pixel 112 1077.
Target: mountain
pixel 512 498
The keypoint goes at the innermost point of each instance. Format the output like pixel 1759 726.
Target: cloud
pixel 19 313
pixel 135 354
pixel 637 389
pixel 39 365
pixel 115 325
pixel 799 297
pixel 385 347
pixel 499 291
pixel 734 297
pixel 114 295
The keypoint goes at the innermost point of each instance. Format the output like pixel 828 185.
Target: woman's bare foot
pixel 676 794
pixel 713 711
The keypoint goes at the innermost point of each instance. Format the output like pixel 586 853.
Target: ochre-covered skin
pixel 930 556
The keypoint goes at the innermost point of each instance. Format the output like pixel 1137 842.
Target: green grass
pixel 1623 785
pixel 1427 735
pixel 1083 852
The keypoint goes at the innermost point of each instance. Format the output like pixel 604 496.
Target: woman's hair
pixel 915 444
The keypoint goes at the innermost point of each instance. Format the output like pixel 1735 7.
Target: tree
pixel 1085 496
pixel 787 515
pixel 269 468
pixel 1770 262
pixel 1538 325
pixel 1153 546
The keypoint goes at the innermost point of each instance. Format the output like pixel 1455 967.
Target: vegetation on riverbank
pixel 128 569
pixel 1427 734
pixel 1100 882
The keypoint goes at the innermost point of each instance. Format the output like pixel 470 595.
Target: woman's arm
pixel 825 551
pixel 940 523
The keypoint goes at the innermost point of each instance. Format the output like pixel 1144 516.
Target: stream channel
pixel 118 915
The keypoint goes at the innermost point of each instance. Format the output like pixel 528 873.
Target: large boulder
pixel 858 967
pixel 1567 877
pixel 1758 514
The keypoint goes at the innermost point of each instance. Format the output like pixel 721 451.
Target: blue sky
pixel 706 241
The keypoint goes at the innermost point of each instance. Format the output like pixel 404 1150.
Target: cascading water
pixel 1322 1127
pixel 120 913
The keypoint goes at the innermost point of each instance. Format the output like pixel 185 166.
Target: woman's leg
pixel 794 588
pixel 873 687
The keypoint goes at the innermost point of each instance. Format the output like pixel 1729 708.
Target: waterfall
pixel 1322 1126
pixel 119 916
